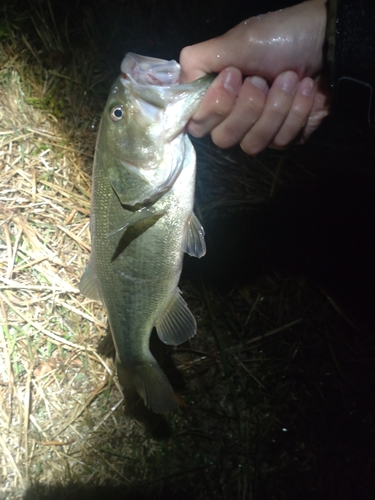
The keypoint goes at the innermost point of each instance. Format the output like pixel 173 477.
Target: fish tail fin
pixel 151 383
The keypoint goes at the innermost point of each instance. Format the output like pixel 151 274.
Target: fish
pixel 142 220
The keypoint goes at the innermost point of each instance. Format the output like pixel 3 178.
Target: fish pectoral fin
pixel 87 285
pixel 138 223
pixel 177 324
pixel 151 383
pixel 194 243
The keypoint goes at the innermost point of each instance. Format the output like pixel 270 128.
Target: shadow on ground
pixel 76 491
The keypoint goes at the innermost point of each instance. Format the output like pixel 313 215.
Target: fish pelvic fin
pixel 151 383
pixel 194 243
pixel 177 324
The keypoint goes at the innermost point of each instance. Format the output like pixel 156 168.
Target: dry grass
pixel 269 366
pixel 48 332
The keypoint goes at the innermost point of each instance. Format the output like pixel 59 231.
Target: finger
pixel 218 102
pixel 216 54
pixel 320 109
pixel 278 104
pixel 298 114
pixel 248 107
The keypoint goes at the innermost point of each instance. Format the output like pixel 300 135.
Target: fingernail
pixel 288 81
pixel 307 87
pixel 259 82
pixel 231 80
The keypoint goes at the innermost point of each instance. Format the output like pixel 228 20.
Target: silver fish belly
pixel 142 218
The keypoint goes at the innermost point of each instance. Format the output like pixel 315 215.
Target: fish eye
pixel 116 113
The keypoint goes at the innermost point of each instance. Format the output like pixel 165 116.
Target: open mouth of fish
pixel 150 71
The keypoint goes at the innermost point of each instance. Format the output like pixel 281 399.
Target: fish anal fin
pixel 151 383
pixel 177 324
pixel 87 285
pixel 194 243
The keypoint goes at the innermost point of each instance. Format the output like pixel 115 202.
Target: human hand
pixel 284 48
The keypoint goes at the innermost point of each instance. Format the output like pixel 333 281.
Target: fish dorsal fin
pixel 194 243
pixel 177 324
pixel 87 285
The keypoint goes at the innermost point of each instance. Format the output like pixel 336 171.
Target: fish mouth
pixel 149 79
pixel 144 70
pixel 157 82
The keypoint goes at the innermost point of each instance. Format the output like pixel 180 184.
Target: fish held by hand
pixel 142 218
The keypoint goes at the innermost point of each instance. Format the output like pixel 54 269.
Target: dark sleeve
pixel 352 52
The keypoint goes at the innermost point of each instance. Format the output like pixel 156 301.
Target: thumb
pixel 202 58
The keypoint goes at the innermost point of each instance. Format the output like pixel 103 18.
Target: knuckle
pixel 250 147
pixel 186 56
pixel 251 99
pixel 280 108
pixel 282 141
pixel 224 137
pixel 300 113
pixel 223 103
pixel 254 106
pixel 219 141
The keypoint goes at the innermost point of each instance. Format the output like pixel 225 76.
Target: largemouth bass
pixel 142 218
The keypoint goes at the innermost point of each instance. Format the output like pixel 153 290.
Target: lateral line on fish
pixel 118 230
